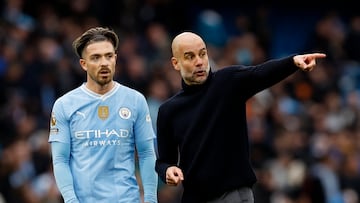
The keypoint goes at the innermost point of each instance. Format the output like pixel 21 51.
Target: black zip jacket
pixel 203 129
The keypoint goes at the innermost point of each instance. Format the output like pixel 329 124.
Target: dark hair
pixel 95 35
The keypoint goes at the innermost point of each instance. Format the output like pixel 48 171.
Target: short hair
pixel 95 34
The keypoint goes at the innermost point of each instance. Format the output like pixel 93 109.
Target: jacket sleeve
pixel 167 147
pixel 250 80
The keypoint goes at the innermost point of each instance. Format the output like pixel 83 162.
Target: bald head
pixel 190 57
pixel 185 39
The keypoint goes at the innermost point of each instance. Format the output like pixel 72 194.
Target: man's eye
pixel 95 58
pixel 189 57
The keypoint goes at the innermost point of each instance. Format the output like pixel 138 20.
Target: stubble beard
pixel 192 79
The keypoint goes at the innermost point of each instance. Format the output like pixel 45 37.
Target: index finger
pixel 318 55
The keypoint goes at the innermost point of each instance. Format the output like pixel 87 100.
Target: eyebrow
pixel 189 52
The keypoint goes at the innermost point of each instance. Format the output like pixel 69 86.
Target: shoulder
pixel 64 106
pixel 71 96
pixel 230 69
pixel 130 91
pixel 229 74
pixel 171 102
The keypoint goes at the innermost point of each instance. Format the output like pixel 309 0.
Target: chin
pixel 200 82
pixel 104 82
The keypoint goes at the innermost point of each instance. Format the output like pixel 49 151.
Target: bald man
pixel 202 133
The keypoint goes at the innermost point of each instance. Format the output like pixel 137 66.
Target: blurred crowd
pixel 304 131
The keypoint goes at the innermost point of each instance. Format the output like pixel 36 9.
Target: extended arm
pixel 259 77
pixel 64 180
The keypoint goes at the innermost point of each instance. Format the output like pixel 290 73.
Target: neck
pixel 100 89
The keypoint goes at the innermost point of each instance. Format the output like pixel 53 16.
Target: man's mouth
pixel 200 72
pixel 104 72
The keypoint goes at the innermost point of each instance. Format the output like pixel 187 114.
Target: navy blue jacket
pixel 203 129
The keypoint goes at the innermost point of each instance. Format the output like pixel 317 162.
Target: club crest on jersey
pixel 124 113
pixel 103 112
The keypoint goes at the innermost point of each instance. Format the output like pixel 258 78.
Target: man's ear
pixel 83 64
pixel 174 62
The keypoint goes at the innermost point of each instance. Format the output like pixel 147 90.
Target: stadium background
pixel 304 131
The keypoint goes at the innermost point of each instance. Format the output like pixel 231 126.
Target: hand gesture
pixel 174 176
pixel 307 62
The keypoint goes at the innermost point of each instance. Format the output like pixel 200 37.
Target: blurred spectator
pixel 352 39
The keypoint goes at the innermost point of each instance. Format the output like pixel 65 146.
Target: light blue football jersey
pixel 102 131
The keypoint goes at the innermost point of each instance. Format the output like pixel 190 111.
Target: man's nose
pixel 199 61
pixel 104 61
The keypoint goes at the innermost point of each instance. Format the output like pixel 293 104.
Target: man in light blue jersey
pixel 98 129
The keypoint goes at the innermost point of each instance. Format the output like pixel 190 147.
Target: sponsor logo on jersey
pixel 100 134
pixel 101 138
pixel 81 114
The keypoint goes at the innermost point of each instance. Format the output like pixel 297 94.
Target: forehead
pixel 99 47
pixel 189 42
pixel 191 46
